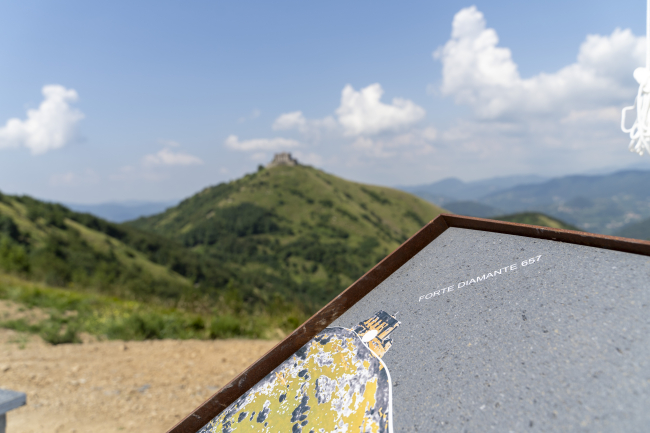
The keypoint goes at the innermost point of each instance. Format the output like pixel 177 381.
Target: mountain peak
pixel 293 231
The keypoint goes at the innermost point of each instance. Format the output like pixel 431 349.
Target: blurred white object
pixel 640 130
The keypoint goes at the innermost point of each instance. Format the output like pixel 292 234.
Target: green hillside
pixel 116 281
pixel 536 219
pixel 49 243
pixel 293 232
pixel 253 257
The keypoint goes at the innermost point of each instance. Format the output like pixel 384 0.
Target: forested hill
pixel 49 243
pixel 296 231
pixel 254 255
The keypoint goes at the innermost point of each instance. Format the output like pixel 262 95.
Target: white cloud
pixel 293 120
pixel 408 144
pixel 378 129
pixel 360 115
pixel 610 115
pixel 429 134
pixel 260 144
pixel 313 128
pixel 152 167
pixel 479 73
pixel 371 147
pixel 50 126
pixel 554 123
pixel 167 157
pixel 362 112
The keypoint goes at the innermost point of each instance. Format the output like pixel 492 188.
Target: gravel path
pixel 116 386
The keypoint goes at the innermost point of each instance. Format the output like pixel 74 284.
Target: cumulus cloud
pixel 611 115
pixel 363 113
pixel 482 75
pixel 367 125
pixel 260 144
pixel 167 157
pixel 293 120
pixel 429 134
pixel 50 126
pixel 414 142
pixel 312 128
pixel 360 113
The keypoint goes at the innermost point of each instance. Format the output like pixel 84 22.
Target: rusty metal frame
pixel 364 285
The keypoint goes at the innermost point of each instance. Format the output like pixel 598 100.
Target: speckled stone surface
pixel 562 344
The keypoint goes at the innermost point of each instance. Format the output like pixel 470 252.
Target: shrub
pixel 226 326
pixel 13 257
pixel 55 332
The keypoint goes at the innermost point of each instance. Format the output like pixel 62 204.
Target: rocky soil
pixel 115 386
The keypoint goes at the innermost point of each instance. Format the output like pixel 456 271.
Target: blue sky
pixel 156 100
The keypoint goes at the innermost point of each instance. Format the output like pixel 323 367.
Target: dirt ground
pixel 115 386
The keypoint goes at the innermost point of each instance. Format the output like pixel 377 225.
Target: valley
pixel 604 203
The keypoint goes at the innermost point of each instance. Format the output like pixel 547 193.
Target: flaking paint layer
pixel 335 383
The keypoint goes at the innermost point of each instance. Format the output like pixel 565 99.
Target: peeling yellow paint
pixel 334 383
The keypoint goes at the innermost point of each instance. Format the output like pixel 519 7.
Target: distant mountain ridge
pixel 598 203
pixel 453 189
pixel 595 203
pixel 629 182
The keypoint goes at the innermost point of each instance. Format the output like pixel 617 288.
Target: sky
pixel 156 100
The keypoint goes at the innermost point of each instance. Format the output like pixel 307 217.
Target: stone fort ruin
pixel 283 158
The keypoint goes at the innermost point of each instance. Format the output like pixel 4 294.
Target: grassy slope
pixel 537 219
pixel 295 230
pixel 46 242
pixel 254 257
pixel 64 314
pixel 92 276
pixel 307 200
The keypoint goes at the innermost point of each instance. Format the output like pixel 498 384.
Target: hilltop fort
pixel 283 158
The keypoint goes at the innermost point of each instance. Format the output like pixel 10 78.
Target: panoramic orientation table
pixel 471 325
